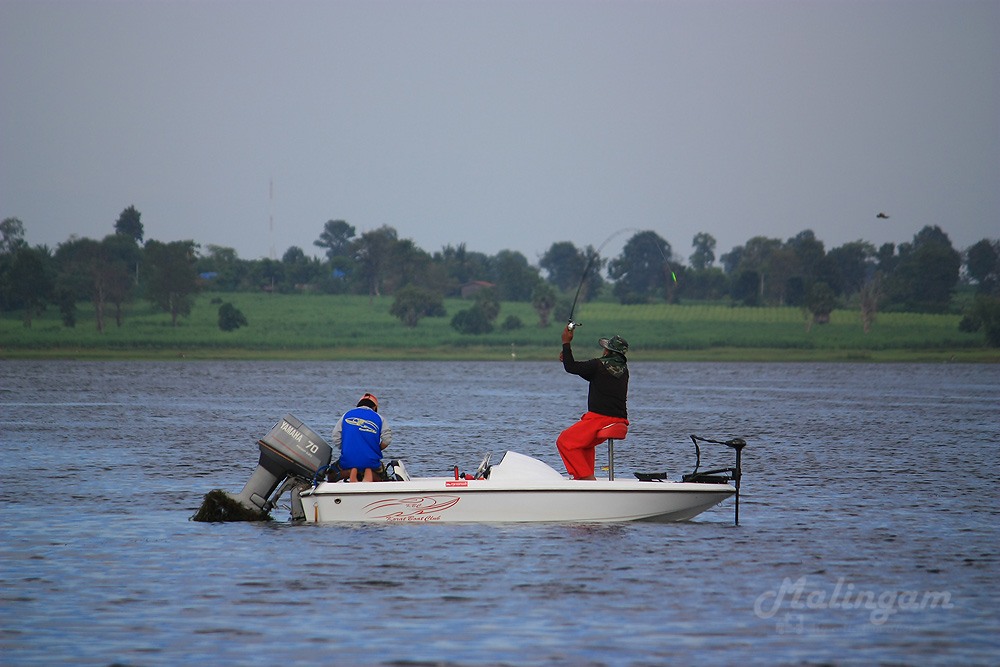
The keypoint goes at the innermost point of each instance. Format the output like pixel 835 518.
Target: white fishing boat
pixel 517 488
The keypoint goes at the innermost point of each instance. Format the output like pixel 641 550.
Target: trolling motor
pixel 719 475
pixel 713 476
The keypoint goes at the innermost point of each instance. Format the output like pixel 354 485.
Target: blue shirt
pixel 360 439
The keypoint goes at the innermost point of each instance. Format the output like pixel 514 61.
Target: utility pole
pixel 270 210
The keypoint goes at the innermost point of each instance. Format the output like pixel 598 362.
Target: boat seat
pixel 616 431
pixel 612 432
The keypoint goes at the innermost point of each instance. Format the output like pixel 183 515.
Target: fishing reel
pixel 572 325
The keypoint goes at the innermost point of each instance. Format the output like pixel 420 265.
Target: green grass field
pixel 347 327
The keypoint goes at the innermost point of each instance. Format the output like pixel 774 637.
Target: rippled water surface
pixel 869 520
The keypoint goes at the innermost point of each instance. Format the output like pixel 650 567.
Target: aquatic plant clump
pixel 219 506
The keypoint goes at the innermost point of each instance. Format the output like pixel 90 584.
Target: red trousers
pixel 576 444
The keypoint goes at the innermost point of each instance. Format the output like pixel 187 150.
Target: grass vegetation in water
pixel 317 327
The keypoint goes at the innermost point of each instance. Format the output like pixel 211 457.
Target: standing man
pixel 608 378
pixel 361 435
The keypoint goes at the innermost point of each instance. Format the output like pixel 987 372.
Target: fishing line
pixel 597 253
pixel 570 324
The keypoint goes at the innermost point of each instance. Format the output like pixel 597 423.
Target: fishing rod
pixel 570 324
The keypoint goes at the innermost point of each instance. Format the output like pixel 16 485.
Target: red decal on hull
pixel 414 508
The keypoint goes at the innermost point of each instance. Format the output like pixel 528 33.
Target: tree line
pixel 921 275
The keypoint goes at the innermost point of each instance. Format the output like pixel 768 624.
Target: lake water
pixel 868 533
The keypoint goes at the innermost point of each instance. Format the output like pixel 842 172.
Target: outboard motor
pixel 292 453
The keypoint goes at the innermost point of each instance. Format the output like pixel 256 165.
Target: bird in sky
pixel 883 216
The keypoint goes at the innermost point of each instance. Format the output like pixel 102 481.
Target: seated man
pixel 606 401
pixel 361 434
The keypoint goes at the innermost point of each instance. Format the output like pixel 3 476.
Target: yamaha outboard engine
pixel 292 453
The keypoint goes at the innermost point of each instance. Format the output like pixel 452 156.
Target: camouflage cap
pixel 615 344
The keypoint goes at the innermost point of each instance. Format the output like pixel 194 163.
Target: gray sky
pixel 501 124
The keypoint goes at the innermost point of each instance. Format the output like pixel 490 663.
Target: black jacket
pixel 608 393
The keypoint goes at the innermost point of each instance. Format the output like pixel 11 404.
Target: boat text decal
pixel 414 508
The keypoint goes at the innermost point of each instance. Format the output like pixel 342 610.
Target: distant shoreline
pixel 445 354
pixel 298 327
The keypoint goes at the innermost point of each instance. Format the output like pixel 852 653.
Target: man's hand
pixel 567 335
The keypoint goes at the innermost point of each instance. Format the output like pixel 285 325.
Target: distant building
pixel 469 289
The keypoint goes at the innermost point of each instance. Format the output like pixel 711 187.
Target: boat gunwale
pixel 688 487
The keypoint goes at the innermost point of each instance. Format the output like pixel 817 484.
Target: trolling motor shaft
pixel 735 473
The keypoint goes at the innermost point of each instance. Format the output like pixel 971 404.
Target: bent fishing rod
pixel 570 324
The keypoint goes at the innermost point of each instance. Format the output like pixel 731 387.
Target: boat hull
pixel 446 500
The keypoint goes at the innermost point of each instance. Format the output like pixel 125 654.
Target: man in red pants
pixel 608 378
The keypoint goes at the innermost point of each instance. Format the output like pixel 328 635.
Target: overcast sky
pixel 501 124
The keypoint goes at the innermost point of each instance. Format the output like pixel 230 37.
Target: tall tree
pixel 757 257
pixel 171 281
pixel 931 234
pixel 853 263
pixel 543 300
pixel 810 252
pixel 84 270
pixel 514 277
pixel 591 278
pixel 745 288
pixel 731 260
pixel 704 251
pixel 410 265
pixel 336 238
pixel 564 263
pixel 294 255
pixel 71 278
pixel 129 224
pixel 927 273
pixel 29 281
pixel 120 256
pixel 373 251
pixel 871 293
pixel 782 267
pixel 11 236
pixel 886 258
pixel 300 270
pixel 11 239
pixel 222 254
pixel 983 263
pixel 643 268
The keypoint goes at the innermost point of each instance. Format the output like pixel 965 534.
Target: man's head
pixel 614 344
pixel 369 401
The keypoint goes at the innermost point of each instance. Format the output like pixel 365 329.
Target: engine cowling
pixel 290 449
